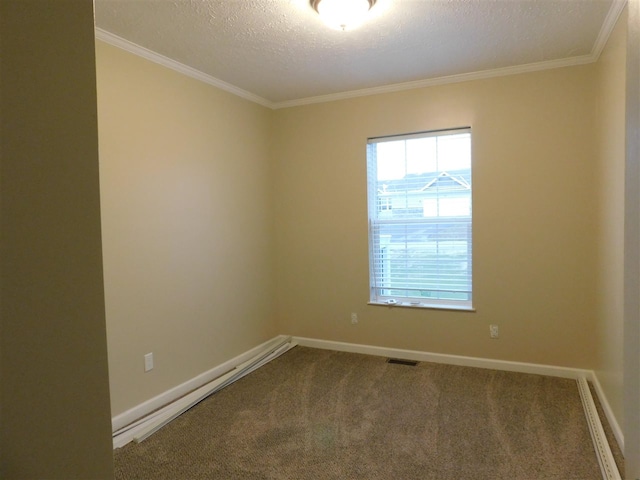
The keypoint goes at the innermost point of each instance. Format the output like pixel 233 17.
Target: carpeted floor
pixel 318 414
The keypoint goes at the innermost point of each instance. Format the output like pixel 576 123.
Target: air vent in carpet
pixel 398 361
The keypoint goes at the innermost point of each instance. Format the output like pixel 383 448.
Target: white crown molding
pixel 430 82
pixel 617 6
pixel 131 47
pixel 615 10
pixel 607 27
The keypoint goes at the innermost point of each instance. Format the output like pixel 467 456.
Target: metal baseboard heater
pixel 148 425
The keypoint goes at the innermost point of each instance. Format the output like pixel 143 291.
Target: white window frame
pixel 382 292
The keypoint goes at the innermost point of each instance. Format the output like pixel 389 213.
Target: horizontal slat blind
pixel 420 218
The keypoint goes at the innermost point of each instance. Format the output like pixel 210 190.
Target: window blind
pixel 420 218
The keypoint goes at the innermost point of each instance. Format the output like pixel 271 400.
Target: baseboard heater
pixel 603 450
pixel 148 425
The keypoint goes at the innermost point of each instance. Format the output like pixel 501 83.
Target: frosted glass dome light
pixel 342 14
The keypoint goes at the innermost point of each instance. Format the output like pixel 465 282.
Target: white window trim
pixel 410 302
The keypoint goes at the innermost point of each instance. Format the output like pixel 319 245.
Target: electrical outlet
pixel 493 331
pixel 354 318
pixel 148 362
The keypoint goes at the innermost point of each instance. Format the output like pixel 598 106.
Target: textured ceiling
pixel 280 51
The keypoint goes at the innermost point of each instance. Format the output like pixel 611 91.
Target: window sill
pixel 429 306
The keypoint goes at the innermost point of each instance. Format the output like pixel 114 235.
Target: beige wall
pixel 187 224
pixel 187 187
pixel 610 131
pixel 188 175
pixel 54 388
pixel 632 250
pixel 534 210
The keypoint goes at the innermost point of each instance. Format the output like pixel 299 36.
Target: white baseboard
pixel 607 462
pixel 145 408
pixel 549 370
pixel 608 412
pixel 148 425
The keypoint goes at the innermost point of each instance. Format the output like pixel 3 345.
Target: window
pixel 420 245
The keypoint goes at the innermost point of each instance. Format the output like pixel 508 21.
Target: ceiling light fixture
pixel 342 14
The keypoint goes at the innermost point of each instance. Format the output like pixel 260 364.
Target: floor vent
pixel 398 361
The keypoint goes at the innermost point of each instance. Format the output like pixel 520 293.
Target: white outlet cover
pixel 493 331
pixel 148 362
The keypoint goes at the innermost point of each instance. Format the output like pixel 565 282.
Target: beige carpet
pixel 317 414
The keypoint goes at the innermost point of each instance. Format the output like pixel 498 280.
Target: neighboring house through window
pixel 420 242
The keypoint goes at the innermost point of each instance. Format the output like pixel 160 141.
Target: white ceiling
pixel 279 53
